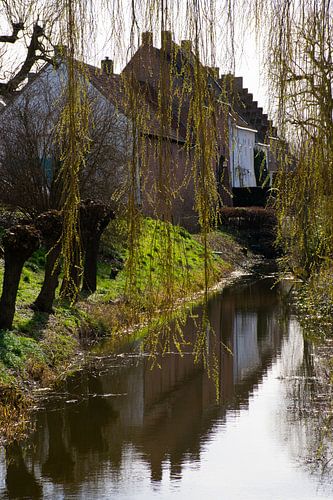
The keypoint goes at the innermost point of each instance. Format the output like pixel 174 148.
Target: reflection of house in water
pixel 248 348
pixel 165 414
pixel 245 347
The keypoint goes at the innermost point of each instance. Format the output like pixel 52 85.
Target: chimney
pixel 107 66
pixel 166 39
pixel 186 45
pixel 147 38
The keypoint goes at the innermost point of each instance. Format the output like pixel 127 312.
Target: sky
pixel 249 65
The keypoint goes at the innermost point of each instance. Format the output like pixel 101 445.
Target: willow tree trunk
pixel 70 286
pixel 45 299
pixel 19 244
pixel 95 217
pixel 90 265
pixel 50 226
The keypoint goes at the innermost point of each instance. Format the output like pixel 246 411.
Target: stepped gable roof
pixel 246 107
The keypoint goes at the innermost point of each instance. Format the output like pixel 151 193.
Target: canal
pixel 125 430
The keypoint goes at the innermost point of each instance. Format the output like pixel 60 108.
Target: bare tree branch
pixel 17 27
pixel 31 58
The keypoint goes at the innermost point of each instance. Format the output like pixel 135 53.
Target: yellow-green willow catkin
pixel 201 158
pixel 74 143
pixel 199 148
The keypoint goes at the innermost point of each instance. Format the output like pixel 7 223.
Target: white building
pixel 242 144
pixel 246 156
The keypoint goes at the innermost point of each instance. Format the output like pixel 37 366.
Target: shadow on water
pixel 88 436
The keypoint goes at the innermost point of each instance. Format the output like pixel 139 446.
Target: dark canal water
pixel 125 431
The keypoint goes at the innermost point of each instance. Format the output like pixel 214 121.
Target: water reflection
pixel 309 396
pixel 124 429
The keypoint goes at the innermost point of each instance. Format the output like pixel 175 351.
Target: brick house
pixel 165 77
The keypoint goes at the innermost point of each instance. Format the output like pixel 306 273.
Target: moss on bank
pixel 42 347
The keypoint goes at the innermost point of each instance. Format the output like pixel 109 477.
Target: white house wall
pixel 49 89
pixel 242 143
pixel 45 96
pixel 41 98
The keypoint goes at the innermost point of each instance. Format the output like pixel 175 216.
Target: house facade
pixel 151 138
pixel 244 162
pixel 167 78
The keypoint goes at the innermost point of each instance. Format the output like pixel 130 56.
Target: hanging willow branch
pixel 75 143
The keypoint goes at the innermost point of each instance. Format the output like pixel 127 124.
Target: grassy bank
pixel 42 349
